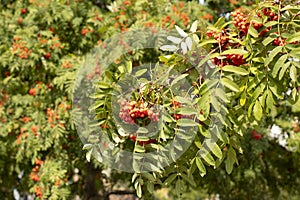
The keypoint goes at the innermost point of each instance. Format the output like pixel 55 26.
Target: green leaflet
pixel 230 84
pixel 207 157
pixel 194 26
pixel 269 100
pixel 170 179
pixel 272 54
pixel 293 73
pixel 293 38
pixel 186 122
pixel 140 72
pixel 179 78
pixel 268 40
pixel 234 69
pixel 200 166
pixel 279 64
pixel 231 159
pixel 210 41
pixel 213 147
pixel 270 23
pixel 234 51
pixel 252 31
pixel 257 110
pixel 283 70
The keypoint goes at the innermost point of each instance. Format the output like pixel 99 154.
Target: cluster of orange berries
pixel 223 42
pixel 166 20
pixel 54 116
pixel 231 59
pixel 42 41
pixel 34 175
pixel 23 134
pixel 271 15
pixel 32 91
pixel 85 31
pixel 222 38
pixel 183 16
pixel 240 21
pixel 97 18
pixel 38 191
pixel 176 105
pixel 179 14
pixel 67 65
pixel 127 3
pixel 279 41
pixel 208 17
pixel 131 111
pixel 151 26
pixel 120 24
pixel 218 62
pixel 55 42
pixel 34 130
pixel 19 47
pixel 40 87
pixel 235 59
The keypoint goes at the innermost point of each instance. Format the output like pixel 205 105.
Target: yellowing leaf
pixel 243 99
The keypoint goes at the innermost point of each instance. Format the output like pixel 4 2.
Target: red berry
pixel 47 55
pixel 264 32
pixel 257 26
pixel 279 42
pixel 51 29
pixel 275 18
pixel 24 11
pixel 266 11
pixel 84 31
pixel 151 141
pixel 256 136
pixel 32 91
pixel 258 14
pixel 132 137
pixel 209 34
